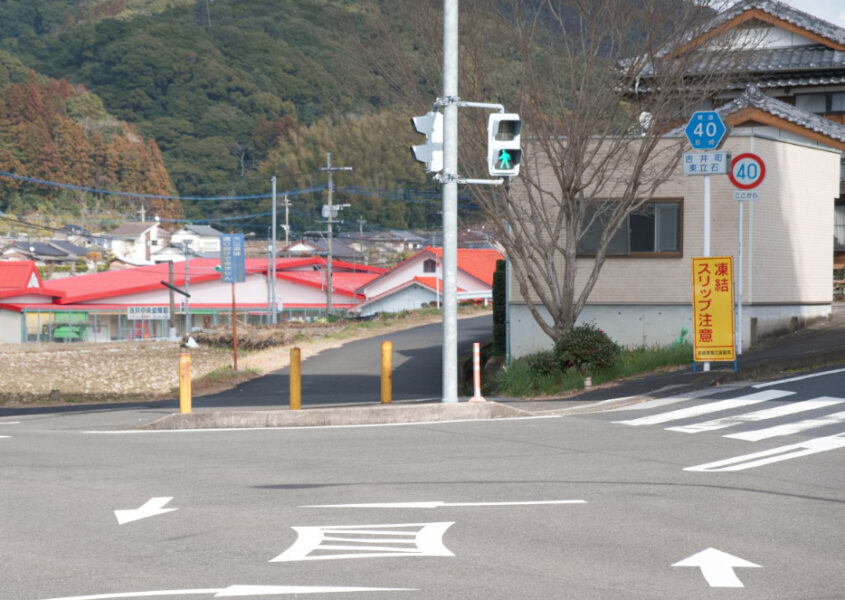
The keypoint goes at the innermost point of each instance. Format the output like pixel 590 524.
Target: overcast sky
pixel 829 10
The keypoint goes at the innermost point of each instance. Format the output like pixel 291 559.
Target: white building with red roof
pixel 135 304
pixel 417 281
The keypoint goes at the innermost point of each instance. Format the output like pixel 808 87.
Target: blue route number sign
pixel 232 261
pixel 705 130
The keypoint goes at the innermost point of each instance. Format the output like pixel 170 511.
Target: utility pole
pixel 450 201
pixel 272 273
pixel 187 289
pixel 330 169
pixel 361 222
pixel 287 222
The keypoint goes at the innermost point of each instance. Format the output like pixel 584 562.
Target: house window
pixel 812 103
pixel 652 229
pixel 429 266
pixel 820 104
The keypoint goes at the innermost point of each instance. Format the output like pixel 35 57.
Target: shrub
pixel 587 348
pixel 543 363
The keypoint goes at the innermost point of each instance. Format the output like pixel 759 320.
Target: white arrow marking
pixel 240 591
pixel 152 508
pixel 766 457
pixel 440 504
pixel 717 567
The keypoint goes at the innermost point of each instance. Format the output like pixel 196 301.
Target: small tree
pixel 598 84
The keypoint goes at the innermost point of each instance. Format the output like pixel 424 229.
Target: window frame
pixel 828 102
pixel 679 253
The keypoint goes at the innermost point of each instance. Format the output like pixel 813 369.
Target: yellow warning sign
pixel 713 309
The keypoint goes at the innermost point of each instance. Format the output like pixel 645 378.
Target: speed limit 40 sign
pixel 747 171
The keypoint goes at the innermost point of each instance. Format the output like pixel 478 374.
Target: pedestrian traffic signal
pixel 430 153
pixel 503 144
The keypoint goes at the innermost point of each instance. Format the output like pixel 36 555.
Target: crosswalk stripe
pixel 789 428
pixel 790 408
pixel 703 409
pixel 759 459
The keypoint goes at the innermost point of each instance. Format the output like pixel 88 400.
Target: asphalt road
pixel 352 374
pixel 272 507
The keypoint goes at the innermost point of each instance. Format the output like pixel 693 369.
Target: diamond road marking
pixel 367 541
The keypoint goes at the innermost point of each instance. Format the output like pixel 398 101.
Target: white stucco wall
pixel 787 254
pixel 410 298
pixel 10 327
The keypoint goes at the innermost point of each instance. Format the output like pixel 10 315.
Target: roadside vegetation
pixel 585 355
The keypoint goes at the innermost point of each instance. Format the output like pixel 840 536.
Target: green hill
pixel 236 91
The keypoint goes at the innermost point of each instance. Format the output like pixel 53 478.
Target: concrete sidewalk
pixel 822 345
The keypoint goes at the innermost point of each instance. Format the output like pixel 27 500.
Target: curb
pixel 337 417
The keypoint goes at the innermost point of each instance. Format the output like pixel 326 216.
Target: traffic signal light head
pixel 503 144
pixel 430 153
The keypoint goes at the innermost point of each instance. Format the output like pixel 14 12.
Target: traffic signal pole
pixel 450 201
pixel 440 155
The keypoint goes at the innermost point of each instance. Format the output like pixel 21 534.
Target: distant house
pixel 50 255
pixel 202 239
pixel 137 241
pixel 341 249
pixel 381 246
pixel 418 281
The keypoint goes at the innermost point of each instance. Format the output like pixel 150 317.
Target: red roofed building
pixel 135 304
pixel 417 281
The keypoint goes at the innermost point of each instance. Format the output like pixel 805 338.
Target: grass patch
pixel 519 379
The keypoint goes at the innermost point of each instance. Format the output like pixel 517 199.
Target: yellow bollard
pixel 386 372
pixel 295 379
pixel 185 382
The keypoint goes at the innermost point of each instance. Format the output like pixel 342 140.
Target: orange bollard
pixel 295 379
pixel 386 372
pixel 185 382
pixel 476 374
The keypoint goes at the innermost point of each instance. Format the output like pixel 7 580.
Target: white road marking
pixel 239 591
pixel 661 402
pixel 703 409
pixel 8 423
pixel 789 428
pixel 367 541
pixel 717 567
pixel 766 457
pixel 151 508
pixel 440 504
pixel 800 378
pixel 790 408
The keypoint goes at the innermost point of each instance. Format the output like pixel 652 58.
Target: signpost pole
pixel 739 283
pixel 234 331
pixel 706 365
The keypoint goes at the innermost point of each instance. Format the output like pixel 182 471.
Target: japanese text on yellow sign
pixel 712 309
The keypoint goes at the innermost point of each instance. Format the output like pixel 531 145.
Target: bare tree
pixel 598 83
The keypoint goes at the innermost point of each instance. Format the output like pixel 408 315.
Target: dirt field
pixel 61 373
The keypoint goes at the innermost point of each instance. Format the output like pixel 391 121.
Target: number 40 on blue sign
pixel 705 130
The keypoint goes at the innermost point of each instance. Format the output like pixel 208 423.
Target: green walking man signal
pixel 504 160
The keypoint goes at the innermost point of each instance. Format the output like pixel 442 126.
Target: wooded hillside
pixel 233 92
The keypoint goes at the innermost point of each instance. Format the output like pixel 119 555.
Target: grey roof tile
pixel 757 99
pixel 787 13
